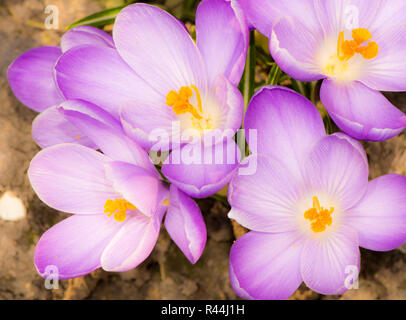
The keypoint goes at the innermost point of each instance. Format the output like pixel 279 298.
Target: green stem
pixel 299 87
pixel 274 75
pixel 247 86
pixel 249 73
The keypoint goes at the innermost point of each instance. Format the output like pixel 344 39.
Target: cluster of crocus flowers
pixel 106 101
pixel 157 76
pixel 117 197
pixel 309 204
pixel 97 92
pixel 356 46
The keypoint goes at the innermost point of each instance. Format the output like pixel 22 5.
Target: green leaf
pixel 248 82
pixel 274 75
pixel 99 19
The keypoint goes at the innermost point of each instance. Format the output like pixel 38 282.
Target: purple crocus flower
pixel 358 47
pixel 309 204
pixel 32 79
pixel 117 197
pixel 159 76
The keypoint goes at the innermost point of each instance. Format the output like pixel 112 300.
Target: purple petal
pixel 50 128
pixel 328 263
pixel 232 104
pixel 31 77
pixel 185 225
pixel 266 200
pixel 202 171
pixel 105 132
pixel 141 120
pixel 287 125
pixel 236 285
pixel 71 178
pixel 132 244
pixel 85 35
pixel 293 47
pixel 222 38
pixel 74 246
pixel 387 72
pixel 361 112
pixel 158 47
pixel 139 186
pixel 380 217
pixel 354 143
pixel 100 76
pixel 337 169
pixel 265 13
pixel 267 265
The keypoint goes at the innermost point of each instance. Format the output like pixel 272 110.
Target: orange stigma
pixel 118 208
pixel 179 101
pixel 346 49
pixel 319 217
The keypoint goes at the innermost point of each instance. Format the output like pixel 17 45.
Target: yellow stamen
pixel 165 202
pixel 180 101
pixel 361 35
pixel 118 208
pixel 346 49
pixel 319 217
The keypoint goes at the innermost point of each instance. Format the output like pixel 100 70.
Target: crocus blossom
pixel 309 205
pixel 117 197
pixel 358 47
pixel 32 79
pixel 164 85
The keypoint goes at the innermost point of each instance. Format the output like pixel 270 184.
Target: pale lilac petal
pixel 85 35
pixel 222 38
pixel 50 128
pixel 267 265
pixel 150 124
pixel 338 170
pixel 356 144
pixel 132 244
pixel 380 217
pixel 334 16
pixel 263 14
pixel 106 133
pixel 31 77
pixel 236 285
pixel 202 171
pixel 158 47
pixel 185 225
pixel 231 102
pixel 387 72
pixel 71 178
pixel 139 186
pixel 287 125
pixel 328 263
pixel 361 112
pixel 294 47
pixel 73 247
pixel 100 76
pixel 266 200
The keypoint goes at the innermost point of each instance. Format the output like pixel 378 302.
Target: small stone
pixel 11 207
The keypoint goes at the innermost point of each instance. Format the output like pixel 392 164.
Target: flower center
pixel 179 101
pixel 318 216
pixel 118 208
pixel 346 49
pixel 337 64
